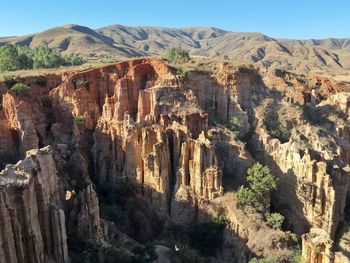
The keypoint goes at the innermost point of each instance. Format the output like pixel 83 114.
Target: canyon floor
pixel 104 162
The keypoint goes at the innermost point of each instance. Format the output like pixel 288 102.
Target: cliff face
pixel 145 128
pixel 185 143
pixel 138 123
pixel 32 223
pixel 312 173
pixel 312 165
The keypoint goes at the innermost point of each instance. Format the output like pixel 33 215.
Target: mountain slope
pixel 117 41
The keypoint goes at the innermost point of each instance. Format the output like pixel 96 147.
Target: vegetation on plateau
pixel 176 55
pixel 14 57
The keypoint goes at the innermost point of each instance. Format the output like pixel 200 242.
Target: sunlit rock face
pixel 185 143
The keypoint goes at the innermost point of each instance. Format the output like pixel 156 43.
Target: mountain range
pixel 118 41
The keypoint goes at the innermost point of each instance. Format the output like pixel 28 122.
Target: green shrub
pixel 208 237
pixel 293 257
pixel 80 119
pixel 274 220
pixel 260 179
pixel 280 133
pixel 182 73
pixel 292 236
pixel 10 81
pixel 246 197
pixel 235 124
pixel 275 133
pixel 177 55
pixel 21 89
pixel 74 60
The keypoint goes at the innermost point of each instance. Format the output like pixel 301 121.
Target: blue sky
pixel 285 19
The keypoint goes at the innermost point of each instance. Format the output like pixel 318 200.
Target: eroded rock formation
pixel 32 223
pixel 184 143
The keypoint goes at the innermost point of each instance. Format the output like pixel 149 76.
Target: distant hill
pixel 115 41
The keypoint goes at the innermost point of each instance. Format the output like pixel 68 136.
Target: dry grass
pixel 340 78
pixel 197 63
pixel 45 71
pixel 208 65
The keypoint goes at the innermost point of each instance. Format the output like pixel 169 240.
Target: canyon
pixel 141 124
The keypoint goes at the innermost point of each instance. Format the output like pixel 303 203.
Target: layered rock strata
pixel 178 140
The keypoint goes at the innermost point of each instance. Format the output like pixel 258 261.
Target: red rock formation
pixel 25 118
pixel 140 121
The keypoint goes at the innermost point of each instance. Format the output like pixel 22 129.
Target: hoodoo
pixel 99 162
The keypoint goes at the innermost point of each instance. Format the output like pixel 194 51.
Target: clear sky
pixel 284 19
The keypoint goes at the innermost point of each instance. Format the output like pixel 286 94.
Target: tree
pixel 246 197
pixel 74 60
pixel 14 57
pixel 20 89
pixel 274 220
pixel 9 58
pixel 43 57
pixel 261 180
pixel 177 54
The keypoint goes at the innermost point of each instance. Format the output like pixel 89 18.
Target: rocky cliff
pixel 185 143
pixel 32 222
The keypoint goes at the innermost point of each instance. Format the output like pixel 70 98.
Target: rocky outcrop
pixel 33 225
pixel 199 168
pixel 182 142
pixel 317 247
pixel 312 172
pixel 152 154
pixel 26 119
pixel 88 216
